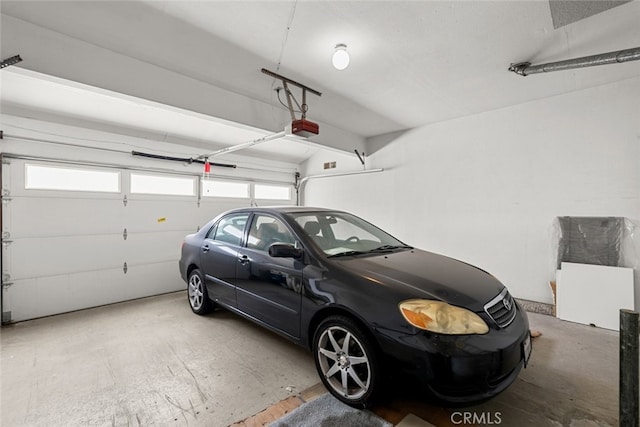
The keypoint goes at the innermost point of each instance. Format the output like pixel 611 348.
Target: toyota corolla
pixel 367 305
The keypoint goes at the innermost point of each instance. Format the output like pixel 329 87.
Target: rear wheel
pixel 197 293
pixel 346 361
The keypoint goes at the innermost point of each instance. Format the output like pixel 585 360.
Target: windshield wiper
pixel 390 247
pixel 346 253
pixel 382 249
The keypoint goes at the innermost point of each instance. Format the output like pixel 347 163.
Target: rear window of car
pixel 230 229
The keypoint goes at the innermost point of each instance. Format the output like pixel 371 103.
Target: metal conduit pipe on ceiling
pixel 303 181
pixel 620 56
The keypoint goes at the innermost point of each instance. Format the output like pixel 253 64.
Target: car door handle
pixel 243 259
pixel 205 248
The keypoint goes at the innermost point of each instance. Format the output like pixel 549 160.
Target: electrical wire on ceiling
pixel 282 48
pixel 299 110
pixel 286 35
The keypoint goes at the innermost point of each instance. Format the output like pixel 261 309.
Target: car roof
pixel 282 209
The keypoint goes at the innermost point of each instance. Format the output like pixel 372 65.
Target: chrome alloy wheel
pixel 196 296
pixel 344 362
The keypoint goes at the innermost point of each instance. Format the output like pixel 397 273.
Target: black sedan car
pixel 368 306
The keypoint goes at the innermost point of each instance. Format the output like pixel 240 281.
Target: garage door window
pixel 167 185
pixel 238 190
pixel 71 179
pixel 272 192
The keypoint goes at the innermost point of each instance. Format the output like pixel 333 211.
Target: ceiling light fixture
pixel 340 59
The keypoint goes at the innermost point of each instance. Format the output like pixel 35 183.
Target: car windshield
pixel 342 234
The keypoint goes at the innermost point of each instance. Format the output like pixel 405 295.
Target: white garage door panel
pixel 44 296
pixel 52 256
pixel 153 279
pixel 142 248
pixel 59 216
pixel 66 249
pixel 154 215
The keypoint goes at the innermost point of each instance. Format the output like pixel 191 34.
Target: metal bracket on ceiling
pixel 290 97
pixel 10 61
pixel 285 83
pixel 360 156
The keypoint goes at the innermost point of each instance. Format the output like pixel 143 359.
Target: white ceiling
pixel 412 63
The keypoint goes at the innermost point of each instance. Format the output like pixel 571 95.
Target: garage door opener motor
pixel 299 127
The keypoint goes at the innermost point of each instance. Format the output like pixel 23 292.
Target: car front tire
pixel 197 294
pixel 346 361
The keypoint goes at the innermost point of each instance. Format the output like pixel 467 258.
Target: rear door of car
pixel 219 257
pixel 269 289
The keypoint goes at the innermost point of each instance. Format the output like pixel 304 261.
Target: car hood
pixel 421 274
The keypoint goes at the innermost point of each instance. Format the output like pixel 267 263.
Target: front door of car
pixel 269 289
pixel 219 256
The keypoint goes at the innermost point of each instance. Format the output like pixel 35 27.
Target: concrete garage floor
pixel 149 361
pixel 572 379
pixel 152 361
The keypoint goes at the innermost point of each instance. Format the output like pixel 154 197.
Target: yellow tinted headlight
pixel 443 318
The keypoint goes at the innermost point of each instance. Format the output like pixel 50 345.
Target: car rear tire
pixel 197 294
pixel 346 361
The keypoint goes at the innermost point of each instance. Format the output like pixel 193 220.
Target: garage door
pixel 77 236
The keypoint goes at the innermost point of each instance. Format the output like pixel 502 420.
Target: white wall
pixel 486 188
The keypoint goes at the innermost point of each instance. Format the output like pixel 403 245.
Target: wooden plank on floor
pixel 272 413
pixel 313 392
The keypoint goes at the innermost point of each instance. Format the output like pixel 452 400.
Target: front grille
pixel 502 309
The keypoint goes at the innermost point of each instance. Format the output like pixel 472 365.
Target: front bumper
pixel 460 368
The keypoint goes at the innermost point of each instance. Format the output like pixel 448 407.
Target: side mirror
pixel 285 250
